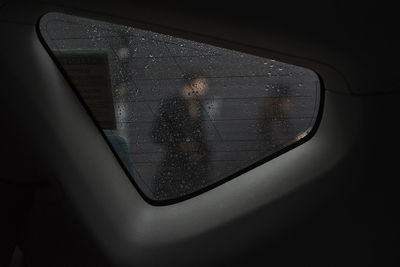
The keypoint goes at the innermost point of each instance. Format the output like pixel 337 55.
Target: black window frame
pixel 189 36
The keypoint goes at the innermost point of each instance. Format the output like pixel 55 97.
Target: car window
pixel 181 115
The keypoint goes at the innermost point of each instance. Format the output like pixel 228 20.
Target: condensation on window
pixel 181 115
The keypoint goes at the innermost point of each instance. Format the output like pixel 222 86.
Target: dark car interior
pixel 70 193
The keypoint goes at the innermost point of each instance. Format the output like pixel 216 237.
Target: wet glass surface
pixel 181 115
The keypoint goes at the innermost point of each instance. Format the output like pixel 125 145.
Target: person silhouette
pixel 179 127
pixel 273 124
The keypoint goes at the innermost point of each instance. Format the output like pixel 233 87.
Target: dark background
pixel 358 227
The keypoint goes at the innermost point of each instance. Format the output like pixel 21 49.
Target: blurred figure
pixel 273 124
pixel 180 129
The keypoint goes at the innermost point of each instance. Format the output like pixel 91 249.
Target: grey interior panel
pixel 351 142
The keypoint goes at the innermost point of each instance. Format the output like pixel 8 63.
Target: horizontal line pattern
pixel 242 86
